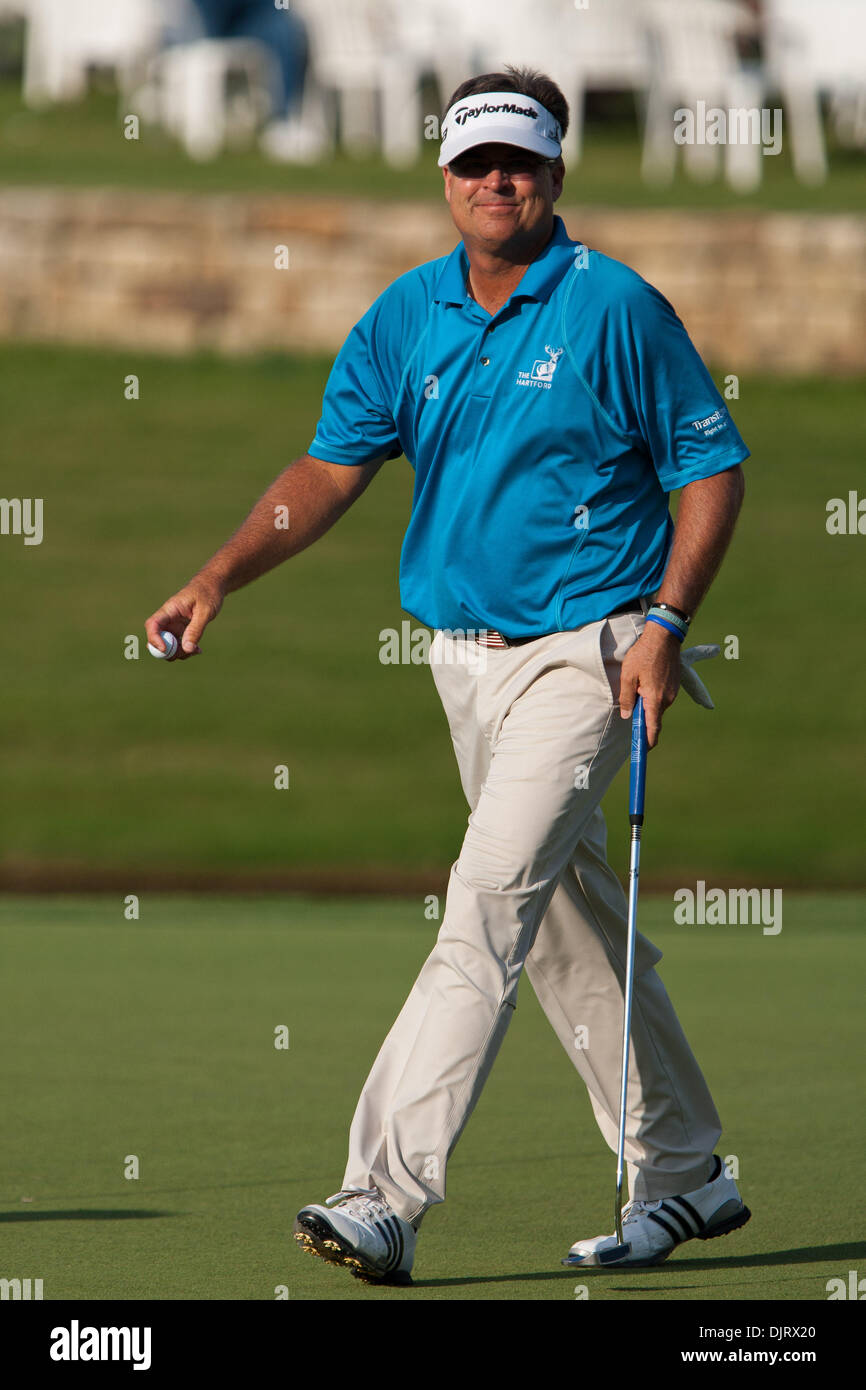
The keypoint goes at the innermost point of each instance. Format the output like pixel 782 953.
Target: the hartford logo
pixel 76 1343
pixel 542 372
pixel 739 906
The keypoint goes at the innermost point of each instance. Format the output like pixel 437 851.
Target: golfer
pixel 549 401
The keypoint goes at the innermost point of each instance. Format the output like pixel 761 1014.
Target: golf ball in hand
pixel 170 647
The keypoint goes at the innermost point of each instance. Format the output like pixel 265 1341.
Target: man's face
pixel 500 195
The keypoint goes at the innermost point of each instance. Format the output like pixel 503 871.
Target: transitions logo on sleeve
pixel 712 424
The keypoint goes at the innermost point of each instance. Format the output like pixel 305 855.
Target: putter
pixel 637 787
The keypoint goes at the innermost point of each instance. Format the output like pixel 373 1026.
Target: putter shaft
pixel 633 876
pixel 637 788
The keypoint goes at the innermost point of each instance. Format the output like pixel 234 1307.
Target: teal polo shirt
pixel 545 438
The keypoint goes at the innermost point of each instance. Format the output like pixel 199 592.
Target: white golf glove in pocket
pixel 690 680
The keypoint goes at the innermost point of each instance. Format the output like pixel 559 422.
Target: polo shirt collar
pixel 539 280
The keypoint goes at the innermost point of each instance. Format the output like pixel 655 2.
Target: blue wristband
pixel 669 615
pixel 662 622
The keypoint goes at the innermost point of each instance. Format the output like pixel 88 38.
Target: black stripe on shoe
pixel 697 1221
pixel 385 1232
pixel 394 1224
pixel 674 1235
pixel 683 1223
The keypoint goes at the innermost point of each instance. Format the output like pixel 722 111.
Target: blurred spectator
pixel 283 32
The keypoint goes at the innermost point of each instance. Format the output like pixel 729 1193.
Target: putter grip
pixel 637 777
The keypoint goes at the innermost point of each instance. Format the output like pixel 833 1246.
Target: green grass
pixel 82 144
pixel 110 762
pixel 155 1039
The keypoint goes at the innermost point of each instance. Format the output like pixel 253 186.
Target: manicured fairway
pixel 155 1038
pixel 113 764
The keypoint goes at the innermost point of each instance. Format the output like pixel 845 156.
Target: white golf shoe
pixel 359 1230
pixel 651 1230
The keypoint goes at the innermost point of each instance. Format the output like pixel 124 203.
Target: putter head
pixel 601 1258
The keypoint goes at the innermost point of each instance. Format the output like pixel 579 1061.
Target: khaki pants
pixel 538 738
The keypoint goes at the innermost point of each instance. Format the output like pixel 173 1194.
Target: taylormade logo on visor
pixel 514 119
pixel 462 114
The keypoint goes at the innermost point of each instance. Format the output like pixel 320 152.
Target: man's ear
pixel 557 176
pixel 446 174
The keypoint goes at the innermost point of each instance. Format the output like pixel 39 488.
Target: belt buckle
pixel 490 637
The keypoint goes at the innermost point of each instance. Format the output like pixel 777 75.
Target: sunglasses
pixel 477 166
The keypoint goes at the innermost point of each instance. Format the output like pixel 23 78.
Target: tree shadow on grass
pixel 804 1255
pixel 83 1215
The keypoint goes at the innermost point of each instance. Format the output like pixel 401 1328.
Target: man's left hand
pixel 651 669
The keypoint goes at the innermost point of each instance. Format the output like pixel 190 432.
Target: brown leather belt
pixel 489 637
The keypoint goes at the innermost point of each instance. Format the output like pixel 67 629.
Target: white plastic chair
pixel 694 59
pixel 814 50
pixel 64 38
pixel 601 47
pixel 434 40
pixel 191 85
pixel 357 60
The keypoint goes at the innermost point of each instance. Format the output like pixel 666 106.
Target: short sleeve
pixel 356 424
pixel 672 402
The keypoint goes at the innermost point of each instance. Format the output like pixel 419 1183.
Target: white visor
pixel 499 118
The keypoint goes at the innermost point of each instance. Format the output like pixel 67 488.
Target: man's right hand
pixel 186 614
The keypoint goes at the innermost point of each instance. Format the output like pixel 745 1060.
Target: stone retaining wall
pixel 782 292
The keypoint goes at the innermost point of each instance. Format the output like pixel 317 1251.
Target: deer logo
pixel 543 371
